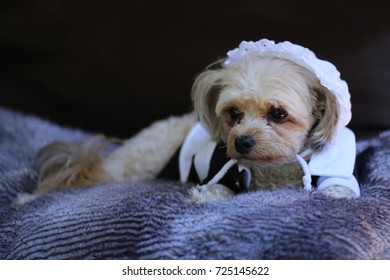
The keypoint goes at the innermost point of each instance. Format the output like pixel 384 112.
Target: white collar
pixel 334 160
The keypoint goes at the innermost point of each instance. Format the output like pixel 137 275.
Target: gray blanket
pixel 153 220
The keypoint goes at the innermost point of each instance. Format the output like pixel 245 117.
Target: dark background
pixel 115 66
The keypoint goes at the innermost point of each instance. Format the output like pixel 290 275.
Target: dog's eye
pixel 235 115
pixel 277 114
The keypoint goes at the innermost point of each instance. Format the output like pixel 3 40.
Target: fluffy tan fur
pixel 279 104
pixel 77 164
pixel 64 164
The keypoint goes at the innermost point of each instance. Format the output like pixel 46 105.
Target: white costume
pixel 334 164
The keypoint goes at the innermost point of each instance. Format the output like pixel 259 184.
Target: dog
pixel 271 109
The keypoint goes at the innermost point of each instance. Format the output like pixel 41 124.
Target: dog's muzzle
pixel 244 144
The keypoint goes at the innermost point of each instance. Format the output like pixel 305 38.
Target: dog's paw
pixel 338 191
pixel 206 193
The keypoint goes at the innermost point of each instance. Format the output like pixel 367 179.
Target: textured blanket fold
pixel 154 220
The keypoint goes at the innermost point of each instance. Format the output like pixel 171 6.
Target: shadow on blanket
pixel 152 220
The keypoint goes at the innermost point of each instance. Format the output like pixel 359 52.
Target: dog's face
pixel 265 109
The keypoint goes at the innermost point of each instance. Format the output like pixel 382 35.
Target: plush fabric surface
pixel 153 220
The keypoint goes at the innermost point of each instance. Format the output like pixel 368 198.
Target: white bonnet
pixel 325 71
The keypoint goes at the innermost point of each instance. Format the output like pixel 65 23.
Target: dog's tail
pixel 64 164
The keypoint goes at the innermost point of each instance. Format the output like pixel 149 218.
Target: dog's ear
pixel 326 113
pixel 205 93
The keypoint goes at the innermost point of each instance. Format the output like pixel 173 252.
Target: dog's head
pixel 265 109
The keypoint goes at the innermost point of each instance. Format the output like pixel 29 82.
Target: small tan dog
pixel 270 107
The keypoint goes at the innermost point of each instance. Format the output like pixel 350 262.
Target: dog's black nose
pixel 244 144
